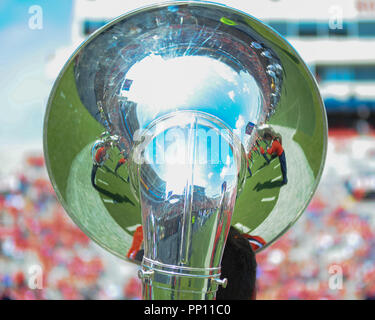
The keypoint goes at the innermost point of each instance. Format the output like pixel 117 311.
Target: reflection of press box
pixel 127 84
pixel 249 128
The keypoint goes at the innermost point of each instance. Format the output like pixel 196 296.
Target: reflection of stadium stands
pixel 155 186
pixel 129 120
pixel 199 192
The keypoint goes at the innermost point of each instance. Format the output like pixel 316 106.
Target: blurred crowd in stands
pixel 37 235
pixel 328 254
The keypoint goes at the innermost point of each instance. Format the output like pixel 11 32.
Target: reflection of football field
pixel 110 215
pixel 71 131
pixel 265 207
pixel 260 193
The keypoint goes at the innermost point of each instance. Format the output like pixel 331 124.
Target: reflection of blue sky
pixel 24 87
pixel 214 163
pixel 193 82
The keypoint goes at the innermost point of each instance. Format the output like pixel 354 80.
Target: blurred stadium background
pixel 328 254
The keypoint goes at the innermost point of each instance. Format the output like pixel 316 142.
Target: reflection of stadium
pixel 127 116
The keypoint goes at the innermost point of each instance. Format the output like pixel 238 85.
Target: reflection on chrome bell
pixel 172 123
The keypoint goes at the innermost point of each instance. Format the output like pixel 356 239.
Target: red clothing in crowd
pixel 276 148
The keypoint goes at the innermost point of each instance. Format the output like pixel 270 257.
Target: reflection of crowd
pixel 35 231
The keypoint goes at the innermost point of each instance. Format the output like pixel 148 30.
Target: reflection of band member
pixel 278 150
pixel 101 155
pixel 224 187
pixel 120 163
pixel 263 153
pixel 248 163
pixel 136 244
pixel 261 150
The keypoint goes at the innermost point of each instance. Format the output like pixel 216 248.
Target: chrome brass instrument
pixel 197 100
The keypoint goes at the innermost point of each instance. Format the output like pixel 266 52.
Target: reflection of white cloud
pixel 231 95
pixel 246 88
pixel 227 162
pixel 224 172
pixel 176 177
pixel 210 175
pixel 173 82
pixel 189 81
pixel 240 122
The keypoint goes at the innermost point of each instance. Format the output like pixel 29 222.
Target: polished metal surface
pixel 187 195
pixel 207 118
